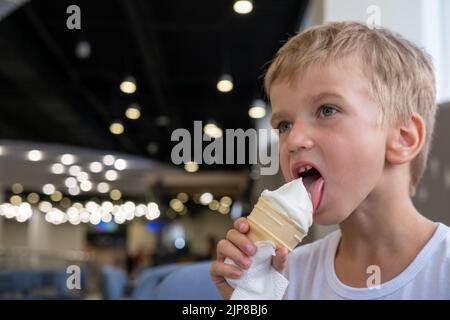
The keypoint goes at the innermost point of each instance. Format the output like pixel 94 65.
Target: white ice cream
pixel 292 199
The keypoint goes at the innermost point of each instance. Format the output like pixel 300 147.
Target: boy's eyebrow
pixel 324 95
pixel 311 100
pixel 275 117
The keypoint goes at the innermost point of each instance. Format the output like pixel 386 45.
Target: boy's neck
pixel 386 230
pixel 387 219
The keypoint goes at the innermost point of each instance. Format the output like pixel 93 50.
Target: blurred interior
pixel 86 174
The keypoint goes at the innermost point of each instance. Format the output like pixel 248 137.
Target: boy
pixel 359 106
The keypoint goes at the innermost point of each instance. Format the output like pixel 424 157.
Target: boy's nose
pixel 299 138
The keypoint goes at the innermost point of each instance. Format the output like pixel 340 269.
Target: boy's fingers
pixel 279 260
pixel 225 249
pixel 218 272
pixel 241 241
pixel 241 225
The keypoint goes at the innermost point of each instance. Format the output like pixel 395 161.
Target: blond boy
pixel 358 104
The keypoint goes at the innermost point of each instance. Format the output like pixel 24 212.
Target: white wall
pixel 14 234
pixel 39 234
pixel 424 22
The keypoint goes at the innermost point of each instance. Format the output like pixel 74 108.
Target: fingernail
pixel 242 227
pixel 249 249
pixel 246 262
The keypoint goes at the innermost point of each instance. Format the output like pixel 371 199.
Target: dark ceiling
pixel 175 49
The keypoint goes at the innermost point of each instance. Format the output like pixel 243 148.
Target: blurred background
pixel 90 94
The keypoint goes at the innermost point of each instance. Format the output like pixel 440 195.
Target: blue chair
pixel 150 278
pixel 16 282
pixel 191 282
pixel 113 283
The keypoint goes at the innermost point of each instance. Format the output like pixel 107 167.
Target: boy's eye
pixel 327 110
pixel 283 126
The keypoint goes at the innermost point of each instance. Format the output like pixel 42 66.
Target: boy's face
pixel 327 118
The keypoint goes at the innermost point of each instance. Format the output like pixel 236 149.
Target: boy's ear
pixel 405 140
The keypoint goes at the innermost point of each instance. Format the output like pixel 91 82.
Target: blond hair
pixel 400 74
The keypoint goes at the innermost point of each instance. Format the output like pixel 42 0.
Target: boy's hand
pixel 239 248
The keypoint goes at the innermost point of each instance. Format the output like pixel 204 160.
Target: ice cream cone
pixel 268 223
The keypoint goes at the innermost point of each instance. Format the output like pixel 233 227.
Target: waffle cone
pixel 267 223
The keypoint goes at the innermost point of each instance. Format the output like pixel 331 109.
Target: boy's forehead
pixel 320 81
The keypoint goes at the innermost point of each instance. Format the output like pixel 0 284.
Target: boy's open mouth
pixel 314 183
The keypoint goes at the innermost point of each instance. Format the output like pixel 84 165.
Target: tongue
pixel 316 190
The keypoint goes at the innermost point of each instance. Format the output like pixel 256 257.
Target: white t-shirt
pixel 311 274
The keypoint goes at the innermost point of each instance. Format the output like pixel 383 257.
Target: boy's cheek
pixel 284 165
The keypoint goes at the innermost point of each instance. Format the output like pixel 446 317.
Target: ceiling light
pixel 115 194
pixel 57 168
pixel 83 50
pixel 45 206
pixel 67 159
pixel 108 160
pixel 152 148
pixel 120 164
pixel 96 167
pixel 224 209
pixel 162 121
pixel 133 112
pixel 257 109
pixel 92 207
pixel 17 188
pixel 183 197
pixel 128 85
pixel 48 188
pixel 179 243
pixel 56 196
pixel 65 203
pixel 82 176
pixel 15 200
pixel 153 211
pixel 129 206
pixel 225 83
pixel 226 201
pixel 206 198
pixel 176 205
pixel 107 206
pixel 106 217
pixel 103 187
pixel 34 155
pixel 214 205
pixel 243 6
pixel 25 212
pixel 74 191
pixel 74 170
pixel 141 210
pixel 116 128
pixel 212 130
pixel 95 219
pixel 191 166
pixel 86 186
pixel 84 215
pixel 33 198
pixel 70 182
pixel 111 175
pixel 72 213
